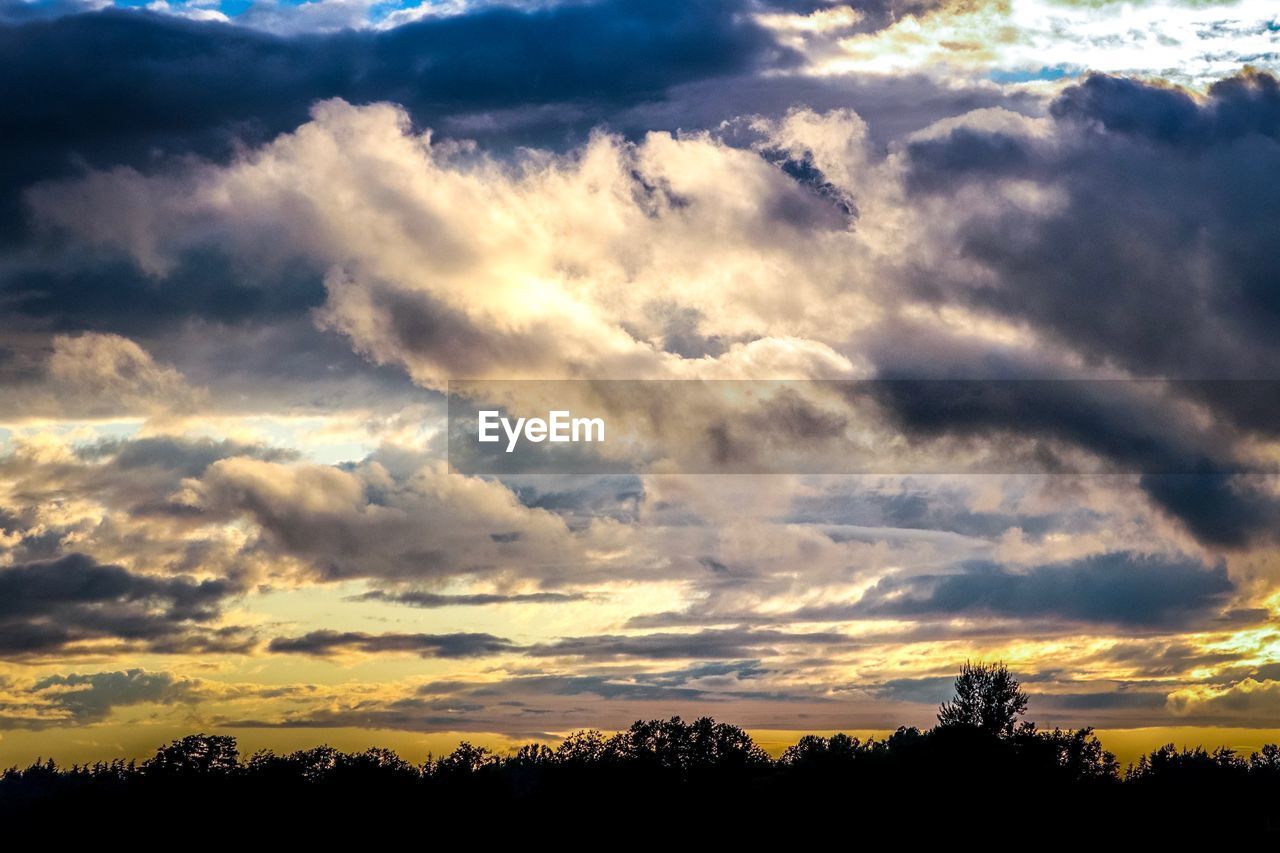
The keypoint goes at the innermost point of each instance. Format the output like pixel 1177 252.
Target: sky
pixel 245 246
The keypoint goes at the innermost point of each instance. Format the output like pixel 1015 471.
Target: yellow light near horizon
pixel 107 742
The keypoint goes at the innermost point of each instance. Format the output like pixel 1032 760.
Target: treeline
pixel 671 751
pixel 978 756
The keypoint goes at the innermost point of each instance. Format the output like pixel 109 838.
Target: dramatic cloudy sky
pixel 244 245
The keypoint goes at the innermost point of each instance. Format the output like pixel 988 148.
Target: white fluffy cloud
pixel 96 375
pixel 660 258
pixel 425 527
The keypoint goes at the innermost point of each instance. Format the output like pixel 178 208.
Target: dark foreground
pixel 667 776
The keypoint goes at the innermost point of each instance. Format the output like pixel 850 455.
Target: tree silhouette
pixel 1196 766
pixel 466 760
pixel 582 749
pixel 195 755
pixel 675 745
pixel 1076 754
pixel 820 753
pixel 987 698
pixel 1266 763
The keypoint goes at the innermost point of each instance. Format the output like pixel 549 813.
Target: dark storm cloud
pixel 931 689
pixel 1161 260
pixel 13 11
pixel 116 86
pixel 103 291
pixel 1118 420
pixel 51 606
pixel 39 588
pixel 965 154
pixel 83 699
pixel 17 11
pixel 182 457
pixel 1216 508
pixel 90 698
pixel 1237 107
pixel 324 643
pixel 415 598
pixel 1189 472
pixel 1121 588
pixel 1120 700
